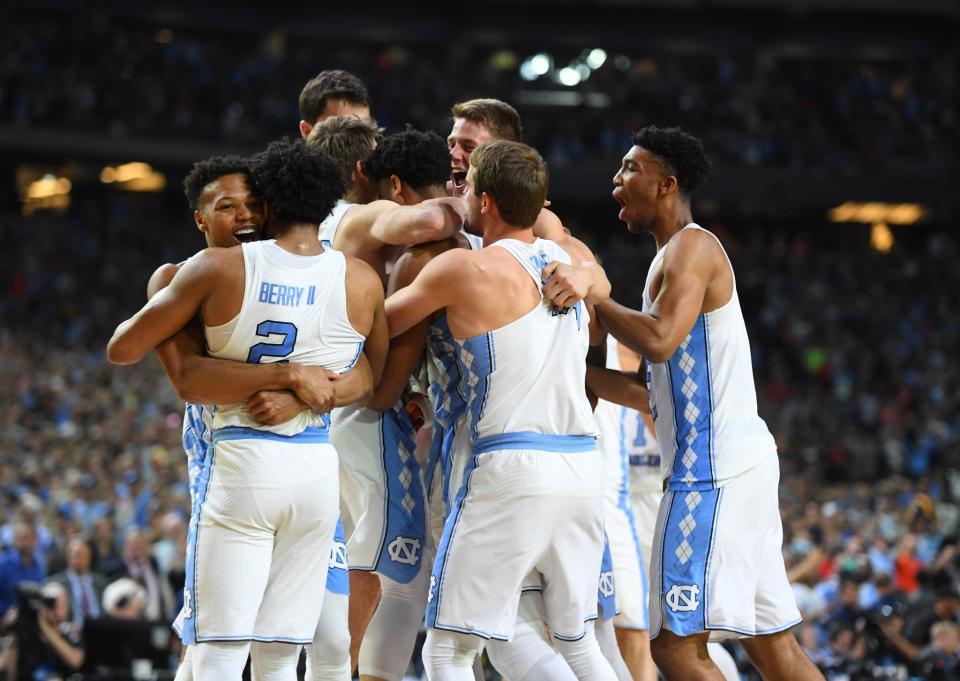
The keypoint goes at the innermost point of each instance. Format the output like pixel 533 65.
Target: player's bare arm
pixel 689 266
pixel 429 220
pixel 437 286
pixel 366 314
pixel 620 387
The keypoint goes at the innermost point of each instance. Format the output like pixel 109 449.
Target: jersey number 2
pixel 281 349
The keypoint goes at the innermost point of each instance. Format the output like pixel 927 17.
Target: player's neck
pixel 667 225
pixel 495 231
pixel 300 238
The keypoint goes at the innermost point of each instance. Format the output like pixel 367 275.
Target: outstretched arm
pixel 619 387
pixel 430 220
pixel 434 288
pixel 687 271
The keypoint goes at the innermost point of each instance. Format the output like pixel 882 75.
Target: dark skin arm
pixel 620 387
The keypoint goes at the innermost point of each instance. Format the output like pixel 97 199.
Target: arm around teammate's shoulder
pixel 430 220
pixel 365 312
pixel 437 285
pixel 170 309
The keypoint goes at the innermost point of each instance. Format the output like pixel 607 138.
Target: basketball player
pixel 227 211
pixel 381 496
pixel 537 470
pixel 717 569
pixel 264 530
pixel 332 93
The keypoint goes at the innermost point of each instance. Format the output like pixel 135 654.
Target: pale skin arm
pixel 366 315
pixel 687 271
pixel 437 286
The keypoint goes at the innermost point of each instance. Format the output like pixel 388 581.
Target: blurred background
pixel 833 128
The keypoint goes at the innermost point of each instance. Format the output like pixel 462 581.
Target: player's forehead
pixel 231 186
pixel 465 130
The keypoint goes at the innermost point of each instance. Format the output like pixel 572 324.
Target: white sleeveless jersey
pixel 294 309
pixel 331 223
pixel 197 436
pixel 528 376
pixel 631 459
pixel 704 400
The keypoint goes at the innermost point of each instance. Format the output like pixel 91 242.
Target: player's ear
pixel 305 129
pixel 359 174
pixel 668 184
pixel 201 221
pixel 486 204
pixel 396 189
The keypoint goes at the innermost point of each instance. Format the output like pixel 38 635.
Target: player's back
pixel 704 400
pixel 527 376
pixel 294 309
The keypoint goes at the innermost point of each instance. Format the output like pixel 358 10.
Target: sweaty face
pixel 464 138
pixel 230 212
pixel 635 188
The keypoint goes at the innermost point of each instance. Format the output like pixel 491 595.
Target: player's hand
pixel 566 285
pixel 273 407
pixel 313 385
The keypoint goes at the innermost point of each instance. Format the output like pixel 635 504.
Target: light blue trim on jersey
pixel 606 603
pixel 188 634
pixel 435 592
pixel 541 442
pixel 258 639
pixel 449 401
pixel 309 436
pixel 353 362
pixel 692 396
pixel 338 576
pixel 623 503
pixel 685 560
pixel 477 360
pixel 755 632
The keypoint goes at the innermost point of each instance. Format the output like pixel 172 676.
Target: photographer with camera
pixel 45 643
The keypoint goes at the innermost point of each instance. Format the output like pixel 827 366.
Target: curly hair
pixel 420 159
pixel 681 153
pixel 331 84
pixel 299 182
pixel 209 170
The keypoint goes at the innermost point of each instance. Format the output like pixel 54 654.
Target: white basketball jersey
pixel 704 400
pixel 528 376
pixel 631 462
pixel 294 309
pixel 331 223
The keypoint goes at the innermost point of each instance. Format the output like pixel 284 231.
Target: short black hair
pixel 420 159
pixel 332 84
pixel 207 171
pixel 298 181
pixel 680 151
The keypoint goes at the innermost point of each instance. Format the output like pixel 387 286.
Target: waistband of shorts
pixel 309 436
pixel 565 444
pixel 645 460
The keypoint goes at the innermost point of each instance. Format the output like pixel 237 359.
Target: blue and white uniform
pixel 381 492
pixel 629 562
pixel 717 563
pixel 531 493
pixel 266 496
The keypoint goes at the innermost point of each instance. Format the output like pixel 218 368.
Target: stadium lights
pixel 48 192
pixel 536 66
pixel 569 76
pixel 596 58
pixel 874 212
pixel 134 177
pixel 881 238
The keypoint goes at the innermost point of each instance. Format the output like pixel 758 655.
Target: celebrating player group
pixel 412 402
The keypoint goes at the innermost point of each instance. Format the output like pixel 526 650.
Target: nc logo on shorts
pixel 404 550
pixel 433 585
pixel 187 608
pixel 606 584
pixel 338 556
pixel 683 597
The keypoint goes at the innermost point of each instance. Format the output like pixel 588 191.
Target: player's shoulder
pixel 363 215
pixel 359 274
pixel 695 244
pixel 162 276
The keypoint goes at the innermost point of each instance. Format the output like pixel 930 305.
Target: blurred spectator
pixel 940 661
pixel 19 564
pixel 46 645
pixel 124 599
pixel 141 567
pixel 106 557
pixel 84 588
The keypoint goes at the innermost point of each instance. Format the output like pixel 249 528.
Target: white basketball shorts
pixel 629 565
pixel 717 564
